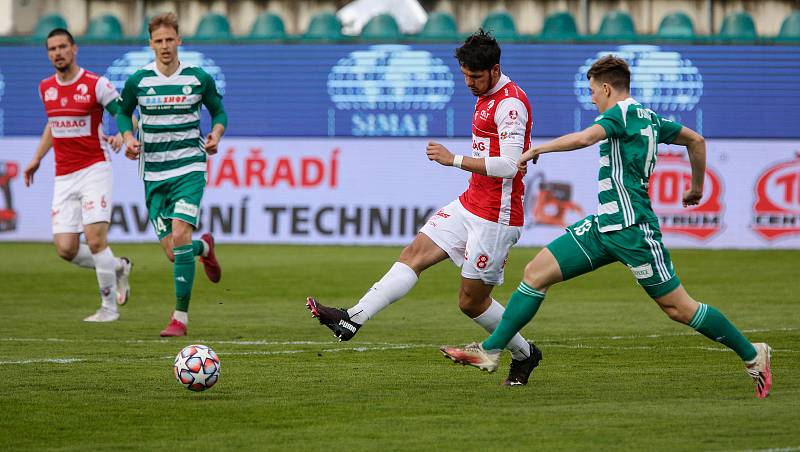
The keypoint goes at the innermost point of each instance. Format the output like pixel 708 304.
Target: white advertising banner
pixel 380 191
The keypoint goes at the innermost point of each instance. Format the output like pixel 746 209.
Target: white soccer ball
pixel 196 367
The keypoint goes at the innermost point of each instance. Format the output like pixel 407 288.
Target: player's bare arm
pixel 696 147
pixel 117 141
pixel 440 154
pixel 569 142
pixel 45 143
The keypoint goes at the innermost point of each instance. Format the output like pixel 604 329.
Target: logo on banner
pixel 130 62
pixel 776 212
pixel 2 91
pixel 389 90
pixel 8 216
pixel 549 203
pixel 671 178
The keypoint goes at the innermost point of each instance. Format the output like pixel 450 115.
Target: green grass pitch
pixel 616 374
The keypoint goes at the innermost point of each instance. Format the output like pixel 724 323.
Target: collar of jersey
pixel 504 80
pixel 70 82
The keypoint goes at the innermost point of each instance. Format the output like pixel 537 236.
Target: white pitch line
pixel 45 360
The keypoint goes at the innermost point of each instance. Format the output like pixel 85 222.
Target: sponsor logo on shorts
pixel 642 271
pixel 776 212
pixel 671 178
pixel 88 205
pixel 440 213
pixel 184 208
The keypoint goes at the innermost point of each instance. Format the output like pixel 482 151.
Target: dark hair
pixel 163 20
pixel 480 52
pixel 60 32
pixel 612 70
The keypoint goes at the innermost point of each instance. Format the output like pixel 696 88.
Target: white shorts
pixel 82 197
pixel 480 247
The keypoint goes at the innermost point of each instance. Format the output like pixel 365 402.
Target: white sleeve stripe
pixel 105 91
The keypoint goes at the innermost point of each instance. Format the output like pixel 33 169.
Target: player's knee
pixel 66 253
pixel 536 277
pixel 96 245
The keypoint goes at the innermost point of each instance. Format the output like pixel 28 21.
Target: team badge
pixel 51 94
pixel 187 90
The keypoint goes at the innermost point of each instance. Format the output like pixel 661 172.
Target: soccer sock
pixel 84 258
pixel 181 316
pixel 199 248
pixel 490 318
pixel 183 270
pixel 713 324
pixel 106 277
pixel 521 308
pixel 395 284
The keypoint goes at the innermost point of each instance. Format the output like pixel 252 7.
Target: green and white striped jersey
pixel 169 118
pixel 627 158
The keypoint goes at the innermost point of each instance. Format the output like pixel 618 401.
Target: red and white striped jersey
pixel 75 114
pixel 502 116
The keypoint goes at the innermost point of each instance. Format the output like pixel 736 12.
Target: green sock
pixel 197 247
pixel 713 324
pixel 183 269
pixel 521 308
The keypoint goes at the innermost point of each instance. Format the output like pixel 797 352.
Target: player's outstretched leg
pixel 713 324
pixel 104 266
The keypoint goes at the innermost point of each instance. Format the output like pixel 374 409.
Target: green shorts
pixel 175 198
pixel 584 248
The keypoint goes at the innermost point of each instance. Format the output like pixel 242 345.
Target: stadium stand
pixel 738 26
pixel 268 26
pixel 440 26
pixel 47 23
pixel 324 26
pixel 213 26
pixel 382 27
pixel 105 27
pixel 559 25
pixel 501 24
pixel 617 25
pixel 677 25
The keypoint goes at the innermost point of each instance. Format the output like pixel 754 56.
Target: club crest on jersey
pixel 82 96
pixel 51 94
pixel 186 90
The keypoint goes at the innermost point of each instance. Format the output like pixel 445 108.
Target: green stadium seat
pixel 617 25
pixel 268 26
pixel 790 29
pixel 677 25
pixel 559 25
pixel 738 26
pixel 213 26
pixel 324 27
pixel 104 27
pixel 381 28
pixel 440 26
pixel 47 23
pixel 501 25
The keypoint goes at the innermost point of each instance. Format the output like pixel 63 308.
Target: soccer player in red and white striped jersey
pixel 476 230
pixel 75 99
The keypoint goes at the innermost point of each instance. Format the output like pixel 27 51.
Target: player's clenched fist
pixel 439 154
pixel 132 147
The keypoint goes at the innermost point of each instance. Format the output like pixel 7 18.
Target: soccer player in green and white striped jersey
pixel 172 154
pixel 625 228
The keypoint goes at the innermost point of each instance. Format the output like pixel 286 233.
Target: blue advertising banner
pixel 418 90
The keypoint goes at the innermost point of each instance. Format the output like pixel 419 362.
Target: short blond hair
pixel 163 20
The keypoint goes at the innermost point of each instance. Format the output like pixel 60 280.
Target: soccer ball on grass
pixel 196 367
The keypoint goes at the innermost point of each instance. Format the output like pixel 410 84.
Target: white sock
pixel 206 247
pixel 489 321
pixel 106 277
pixel 181 316
pixel 394 285
pixel 117 264
pixel 84 257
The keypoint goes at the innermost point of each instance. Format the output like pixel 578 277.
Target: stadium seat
pixel 501 25
pixel 559 25
pixel 47 23
pixel 677 25
pixel 738 26
pixel 213 26
pixel 324 27
pixel 790 29
pixel 104 27
pixel 268 26
pixel 617 25
pixel 440 26
pixel 382 27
